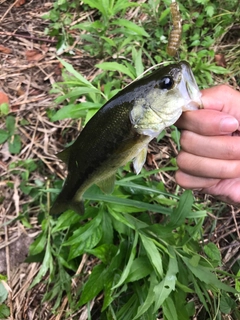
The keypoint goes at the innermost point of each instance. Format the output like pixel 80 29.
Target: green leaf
pixel 217 69
pixel 14 144
pixel 99 5
pixel 76 74
pixel 129 25
pixel 104 252
pixel 92 194
pixel 169 310
pixel 4 109
pixel 47 264
pixel 167 285
pixel 3 136
pixel 195 259
pixel 89 242
pixel 77 93
pixel 115 66
pixel 209 10
pixel 3 292
pixel 199 292
pixel 4 311
pixel 182 211
pixel 140 269
pixel 39 244
pixel 85 232
pixel 212 252
pixel 153 254
pixel 108 293
pixel 127 268
pixel 107 229
pixel 237 281
pixel 75 111
pixel 65 220
pixel 150 297
pixel 206 276
pixel 137 59
pixel 10 124
pixel 227 304
pixel 94 285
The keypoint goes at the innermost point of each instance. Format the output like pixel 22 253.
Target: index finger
pixel 221 113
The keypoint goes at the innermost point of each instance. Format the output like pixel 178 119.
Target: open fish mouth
pixel 189 89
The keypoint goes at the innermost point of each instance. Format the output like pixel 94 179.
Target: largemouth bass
pixel 122 129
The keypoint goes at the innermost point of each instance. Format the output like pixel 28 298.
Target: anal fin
pixel 107 185
pixel 64 155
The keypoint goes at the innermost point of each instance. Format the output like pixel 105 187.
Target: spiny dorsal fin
pixel 107 185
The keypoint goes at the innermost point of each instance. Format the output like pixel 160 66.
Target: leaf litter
pixel 28 68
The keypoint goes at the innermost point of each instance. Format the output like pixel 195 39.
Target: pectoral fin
pixel 139 160
pixel 107 185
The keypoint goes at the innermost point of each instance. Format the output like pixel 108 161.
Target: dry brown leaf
pixel 220 60
pixel 5 49
pixel 3 98
pixel 34 55
pixel 19 3
pixel 44 47
pixel 20 92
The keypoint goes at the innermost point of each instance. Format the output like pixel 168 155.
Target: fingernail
pixel 228 125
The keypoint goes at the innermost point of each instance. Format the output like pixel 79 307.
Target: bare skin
pixel 210 157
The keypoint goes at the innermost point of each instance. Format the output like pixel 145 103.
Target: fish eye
pixel 166 83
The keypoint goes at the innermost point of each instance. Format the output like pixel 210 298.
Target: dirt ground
pixel 28 68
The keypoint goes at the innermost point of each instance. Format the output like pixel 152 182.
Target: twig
pixel 9 9
pixel 235 221
pixel 8 271
pixel 18 35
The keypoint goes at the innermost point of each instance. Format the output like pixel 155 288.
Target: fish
pixel 121 130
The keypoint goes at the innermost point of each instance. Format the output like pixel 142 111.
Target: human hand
pixel 210 155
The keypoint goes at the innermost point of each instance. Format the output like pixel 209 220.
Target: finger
pixel 216 147
pixel 226 190
pixel 222 98
pixel 192 182
pixel 208 167
pixel 208 122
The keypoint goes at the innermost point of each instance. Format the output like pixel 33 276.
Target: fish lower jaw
pixel 192 105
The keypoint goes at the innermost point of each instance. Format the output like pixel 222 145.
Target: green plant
pixel 4 109
pixel 4 309
pixel 60 17
pixel 10 135
pixel 140 262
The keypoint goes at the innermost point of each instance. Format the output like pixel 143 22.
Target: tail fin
pixel 61 205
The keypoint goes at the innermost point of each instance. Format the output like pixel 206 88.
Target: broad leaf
pixel 94 285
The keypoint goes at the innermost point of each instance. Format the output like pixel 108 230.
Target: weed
pixel 9 134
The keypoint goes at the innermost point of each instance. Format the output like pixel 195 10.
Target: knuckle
pixel 181 159
pixel 184 137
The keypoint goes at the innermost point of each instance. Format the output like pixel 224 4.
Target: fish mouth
pixel 189 89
